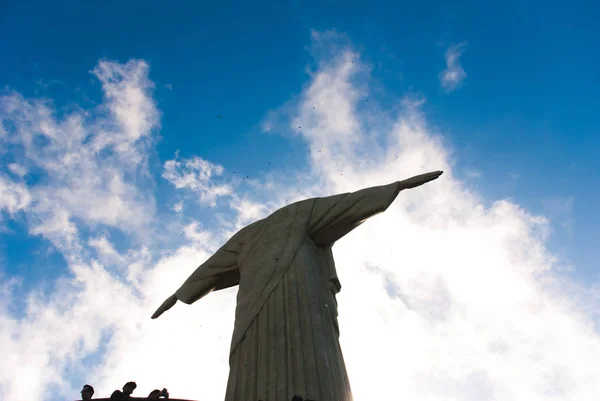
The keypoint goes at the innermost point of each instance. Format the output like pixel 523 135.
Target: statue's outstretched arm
pixel 217 272
pixel 337 215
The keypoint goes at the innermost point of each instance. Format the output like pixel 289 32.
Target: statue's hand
pixel 419 180
pixel 168 304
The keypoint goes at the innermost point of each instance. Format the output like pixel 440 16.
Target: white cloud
pixel 198 176
pixel 178 207
pixel 89 161
pixel 14 196
pixel 104 247
pixel 17 169
pixel 266 126
pixel 454 74
pixel 455 300
pixel 88 167
pixel 126 97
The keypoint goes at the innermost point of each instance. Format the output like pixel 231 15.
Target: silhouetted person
pixel 128 388
pixel 156 394
pixel 297 398
pixel 87 392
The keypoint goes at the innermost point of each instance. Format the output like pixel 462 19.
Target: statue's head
pixel 87 392
pixel 129 387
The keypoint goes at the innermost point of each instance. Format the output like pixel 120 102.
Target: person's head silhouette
pixel 87 392
pixel 129 387
pixel 297 398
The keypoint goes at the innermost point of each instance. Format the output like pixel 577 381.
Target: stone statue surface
pixel 286 334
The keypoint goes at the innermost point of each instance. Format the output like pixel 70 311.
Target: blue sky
pixel 518 124
pixel 527 107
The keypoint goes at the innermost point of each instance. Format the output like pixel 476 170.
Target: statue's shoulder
pixel 251 228
pixel 304 203
pixel 293 209
pixel 296 208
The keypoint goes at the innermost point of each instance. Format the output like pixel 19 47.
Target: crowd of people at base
pixel 88 391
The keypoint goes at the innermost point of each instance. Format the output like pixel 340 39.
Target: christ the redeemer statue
pixel 286 335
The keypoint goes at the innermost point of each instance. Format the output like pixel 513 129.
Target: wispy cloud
pixel 561 211
pixel 473 173
pixel 85 171
pixel 198 176
pixel 17 169
pixel 86 163
pixel 463 300
pixel 14 196
pixel 453 75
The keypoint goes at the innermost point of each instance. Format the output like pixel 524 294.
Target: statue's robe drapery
pixel 285 339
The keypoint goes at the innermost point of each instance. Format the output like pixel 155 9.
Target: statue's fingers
pixel 168 304
pixel 432 176
pixel 158 312
pixel 421 179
